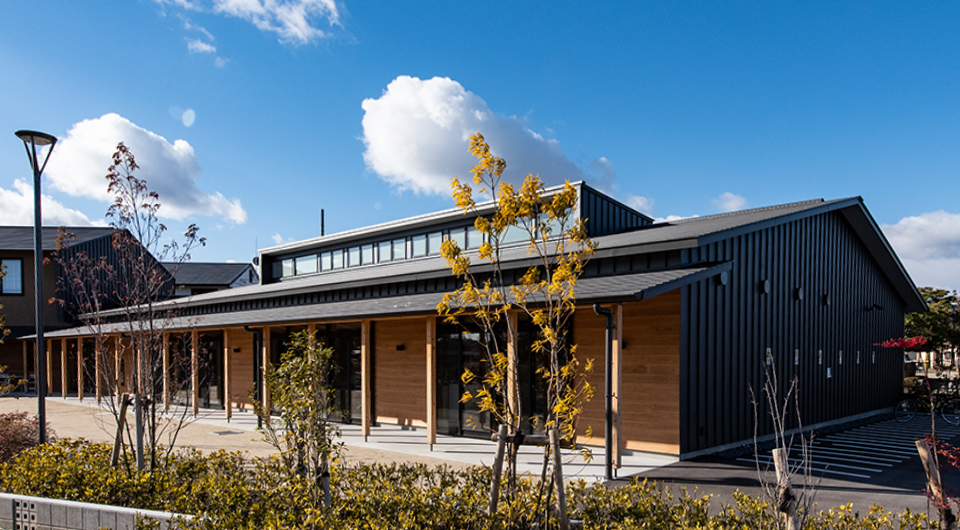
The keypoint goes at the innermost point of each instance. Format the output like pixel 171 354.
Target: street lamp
pixel 31 139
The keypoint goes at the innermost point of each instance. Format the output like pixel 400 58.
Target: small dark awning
pixel 620 288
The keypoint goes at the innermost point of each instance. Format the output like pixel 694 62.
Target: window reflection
pixel 419 245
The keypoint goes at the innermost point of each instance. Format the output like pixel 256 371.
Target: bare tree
pixel 129 281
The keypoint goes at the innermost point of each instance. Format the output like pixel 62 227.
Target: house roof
pixel 588 290
pixel 21 237
pixel 669 235
pixel 190 273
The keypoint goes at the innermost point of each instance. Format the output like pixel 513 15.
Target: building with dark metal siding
pixel 705 308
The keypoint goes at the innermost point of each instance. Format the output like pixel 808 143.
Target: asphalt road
pixel 870 464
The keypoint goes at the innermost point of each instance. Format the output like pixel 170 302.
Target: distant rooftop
pixel 190 273
pixel 21 237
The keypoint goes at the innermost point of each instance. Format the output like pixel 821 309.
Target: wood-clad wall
pixel 400 376
pixel 650 399
pixel 241 367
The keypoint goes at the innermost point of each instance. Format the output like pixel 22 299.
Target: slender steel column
pixel 31 139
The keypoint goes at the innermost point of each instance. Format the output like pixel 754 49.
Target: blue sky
pixel 249 116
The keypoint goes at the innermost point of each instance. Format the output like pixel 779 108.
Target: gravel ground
pixel 98 425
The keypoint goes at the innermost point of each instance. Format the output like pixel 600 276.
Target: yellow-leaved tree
pixel 544 291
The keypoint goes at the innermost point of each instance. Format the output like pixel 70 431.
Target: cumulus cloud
pixel 18 209
pixel 279 240
pixel 80 162
pixel 729 202
pixel 417 137
pixel 929 247
pixel 639 203
pixel 198 46
pixel 294 21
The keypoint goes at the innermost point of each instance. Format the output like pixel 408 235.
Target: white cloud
pixel 221 62
pixel 279 240
pixel 669 218
pixel 929 247
pixel 292 20
pixel 18 209
pixel 198 46
pixel 417 138
pixel 729 202
pixel 639 203
pixel 80 161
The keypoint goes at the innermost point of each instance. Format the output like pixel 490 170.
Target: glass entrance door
pixel 460 349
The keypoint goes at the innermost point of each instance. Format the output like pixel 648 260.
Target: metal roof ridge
pixel 744 212
pixel 390 225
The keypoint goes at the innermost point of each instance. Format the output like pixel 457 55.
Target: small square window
pixel 474 237
pixel 307 264
pixel 383 251
pixel 459 236
pixel 288 267
pixel 353 256
pixel 326 261
pixel 419 245
pixel 400 248
pixel 337 258
pixel 366 254
pixel 434 240
pixel 12 280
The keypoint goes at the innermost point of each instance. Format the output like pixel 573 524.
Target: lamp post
pixel 32 139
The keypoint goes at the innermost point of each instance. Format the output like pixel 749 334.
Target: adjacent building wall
pixel 799 289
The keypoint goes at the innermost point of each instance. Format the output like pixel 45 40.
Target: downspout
pixel 257 370
pixel 608 393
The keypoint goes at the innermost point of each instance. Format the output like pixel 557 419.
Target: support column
pixel 365 409
pixel 166 371
pixel 227 404
pixel 264 363
pixel 617 384
pixel 97 355
pixel 431 380
pixel 26 371
pixel 49 367
pixel 80 368
pixel 311 337
pixel 64 380
pixel 512 390
pixel 120 377
pixel 195 371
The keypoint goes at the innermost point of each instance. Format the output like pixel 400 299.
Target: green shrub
pixel 226 491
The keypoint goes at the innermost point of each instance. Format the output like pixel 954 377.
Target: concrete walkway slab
pixel 210 430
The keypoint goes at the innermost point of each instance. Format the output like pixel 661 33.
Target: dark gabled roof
pixel 21 237
pixel 206 273
pixel 588 290
pixel 670 235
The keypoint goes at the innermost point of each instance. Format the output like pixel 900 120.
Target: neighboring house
pixel 201 278
pixel 17 289
pixel 703 306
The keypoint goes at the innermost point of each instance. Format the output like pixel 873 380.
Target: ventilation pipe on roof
pixel 257 369
pixel 607 393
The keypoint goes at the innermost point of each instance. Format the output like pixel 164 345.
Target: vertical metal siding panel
pixel 702 359
pixel 740 281
pixel 686 386
pixel 729 357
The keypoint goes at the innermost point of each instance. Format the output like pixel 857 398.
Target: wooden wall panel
pixel 400 377
pixel 241 368
pixel 650 402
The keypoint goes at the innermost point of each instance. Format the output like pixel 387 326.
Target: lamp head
pixel 36 138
